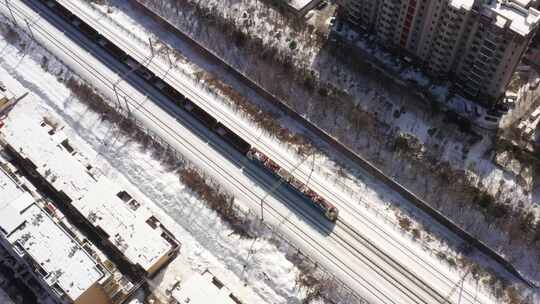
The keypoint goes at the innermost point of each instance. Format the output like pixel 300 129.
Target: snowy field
pixel 207 242
pixel 442 141
pixel 369 192
pixel 144 171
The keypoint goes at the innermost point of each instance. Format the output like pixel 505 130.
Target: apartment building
pixel 42 251
pixel 476 43
pixel 202 289
pixel 131 236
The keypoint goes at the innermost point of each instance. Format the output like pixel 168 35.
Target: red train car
pixel 329 210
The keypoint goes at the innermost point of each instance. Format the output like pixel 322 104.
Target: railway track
pixel 143 109
pixel 147 110
pixel 254 139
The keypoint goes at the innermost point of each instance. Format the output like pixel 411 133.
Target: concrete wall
pixel 93 295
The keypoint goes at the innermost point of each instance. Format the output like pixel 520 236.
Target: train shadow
pixel 298 205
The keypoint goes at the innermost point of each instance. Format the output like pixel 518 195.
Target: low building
pixel 108 215
pixel 203 289
pixel 51 256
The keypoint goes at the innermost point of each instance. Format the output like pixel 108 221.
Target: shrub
pixel 485 200
pixel 405 223
pixel 292 45
pixel 218 201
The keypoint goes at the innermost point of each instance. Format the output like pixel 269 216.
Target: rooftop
pixel 301 7
pixel 131 234
pixel 65 266
pixel 130 228
pixel 513 13
pixel 465 4
pixel 517 14
pixel 202 289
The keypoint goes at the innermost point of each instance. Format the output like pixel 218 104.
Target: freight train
pixel 329 210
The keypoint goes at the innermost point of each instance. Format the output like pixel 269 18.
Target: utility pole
pixel 151 47
pixel 30 29
pixel 250 253
pixel 11 13
pixel 459 285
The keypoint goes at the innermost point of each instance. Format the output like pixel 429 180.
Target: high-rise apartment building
pixel 476 43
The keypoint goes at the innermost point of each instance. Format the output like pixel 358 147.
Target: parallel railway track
pixel 254 139
pixel 346 231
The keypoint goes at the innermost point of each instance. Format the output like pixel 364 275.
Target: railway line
pixel 143 108
pixel 413 291
pixel 138 105
pixel 303 174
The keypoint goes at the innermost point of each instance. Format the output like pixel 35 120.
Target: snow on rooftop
pixel 301 7
pixel 515 13
pixel 136 239
pixel 95 197
pixel 521 19
pixel 31 231
pixel 465 4
pixel 202 289
pixel 299 4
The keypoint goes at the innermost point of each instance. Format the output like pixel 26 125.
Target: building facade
pixel 476 43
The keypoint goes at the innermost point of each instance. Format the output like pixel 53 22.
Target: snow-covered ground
pixel 144 173
pixel 78 114
pixel 370 192
pixel 207 242
pixel 407 121
pixel 396 113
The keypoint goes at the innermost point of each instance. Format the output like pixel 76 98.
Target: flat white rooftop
pixel 514 13
pixel 301 7
pixel 203 289
pixel 93 195
pixel 465 4
pixel 135 238
pixel 299 4
pixel 31 231
pixel 521 19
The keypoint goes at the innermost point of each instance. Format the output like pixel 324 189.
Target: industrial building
pixel 107 214
pixel 475 43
